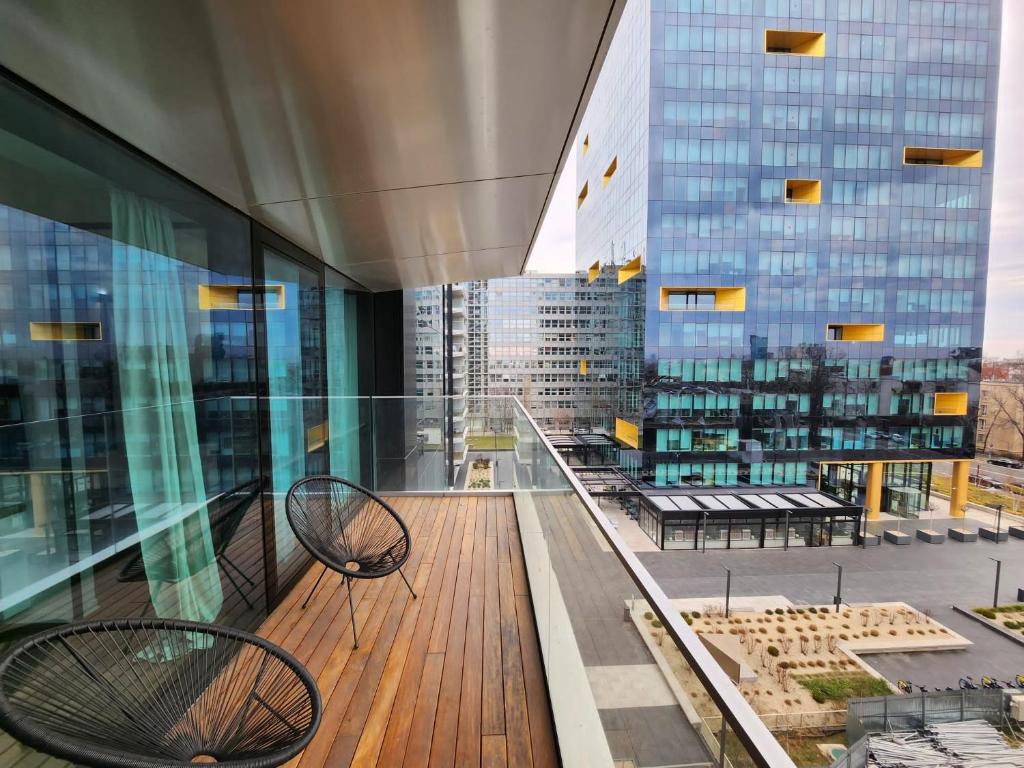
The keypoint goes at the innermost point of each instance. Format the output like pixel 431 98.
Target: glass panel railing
pixel 161 509
pixel 129 513
pixel 179 511
pixel 629 681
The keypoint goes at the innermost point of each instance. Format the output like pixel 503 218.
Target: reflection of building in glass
pixel 809 192
pixel 569 346
pixel 136 340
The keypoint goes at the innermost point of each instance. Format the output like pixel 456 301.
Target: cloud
pixel 1004 311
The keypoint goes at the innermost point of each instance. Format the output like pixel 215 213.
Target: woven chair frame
pixel 87 693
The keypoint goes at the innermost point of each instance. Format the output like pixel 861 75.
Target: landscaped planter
pixel 993 535
pixel 898 537
pixel 1017 531
pixel 791 648
pixel 931 536
pixel 1014 632
pixel 962 534
pixel 871 540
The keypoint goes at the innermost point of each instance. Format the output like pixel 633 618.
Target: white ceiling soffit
pixel 405 142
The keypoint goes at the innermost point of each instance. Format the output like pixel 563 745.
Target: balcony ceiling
pixel 406 143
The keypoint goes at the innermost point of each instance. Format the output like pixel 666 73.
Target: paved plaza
pixel 930 577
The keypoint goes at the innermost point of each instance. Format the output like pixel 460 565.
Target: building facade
pixel 808 186
pixel 567 345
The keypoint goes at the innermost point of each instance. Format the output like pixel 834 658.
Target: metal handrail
pixel 759 742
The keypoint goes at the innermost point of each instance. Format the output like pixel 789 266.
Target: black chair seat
pixel 349 529
pixel 142 693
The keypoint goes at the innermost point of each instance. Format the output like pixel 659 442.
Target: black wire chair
pixel 350 530
pixel 226 512
pixel 142 693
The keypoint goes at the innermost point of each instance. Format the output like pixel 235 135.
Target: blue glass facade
pixel 834 161
pixel 167 369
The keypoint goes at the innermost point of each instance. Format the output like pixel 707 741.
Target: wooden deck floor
pixel 451 679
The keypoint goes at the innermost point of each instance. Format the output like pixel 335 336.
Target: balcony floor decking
pixel 452 678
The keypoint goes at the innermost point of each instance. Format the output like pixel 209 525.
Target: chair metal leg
pixel 239 571
pixel 238 589
pixel 414 595
pixel 310 595
pixel 352 611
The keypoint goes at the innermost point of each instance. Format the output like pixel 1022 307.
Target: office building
pixel 808 187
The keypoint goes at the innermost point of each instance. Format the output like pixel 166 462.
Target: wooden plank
pixel 467 749
pixel 383 740
pixel 492 714
pixel 501 510
pixel 446 722
pixel 389 728
pixel 517 720
pixel 446 591
pixel 452 679
pixel 542 732
pixel 418 739
pixel 491 517
pixel 492 752
pixel 476 586
pixel 366 716
pixel 376 635
pixel 520 580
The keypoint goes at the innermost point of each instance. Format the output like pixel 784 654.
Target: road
pixel 980 466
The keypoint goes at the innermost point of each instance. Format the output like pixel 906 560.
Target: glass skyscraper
pixel 808 185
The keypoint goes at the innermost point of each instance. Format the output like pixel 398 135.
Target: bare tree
pixel 1008 406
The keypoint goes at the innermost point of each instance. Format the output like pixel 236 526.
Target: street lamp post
pixel 995 594
pixel 999 520
pixel 728 588
pixel 704 538
pixel 839 586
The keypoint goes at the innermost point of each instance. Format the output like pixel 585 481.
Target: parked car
pixel 1004 462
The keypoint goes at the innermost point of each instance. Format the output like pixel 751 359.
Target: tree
pixel 1007 403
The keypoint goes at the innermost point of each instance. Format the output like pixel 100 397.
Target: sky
pixel 555 249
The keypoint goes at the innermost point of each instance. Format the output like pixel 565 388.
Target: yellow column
pixel 958 487
pixel 873 493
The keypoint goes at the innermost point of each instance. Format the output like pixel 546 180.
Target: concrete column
pixel 873 492
pixel 958 487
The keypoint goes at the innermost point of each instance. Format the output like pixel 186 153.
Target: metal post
pixel 448 387
pixel 704 538
pixel 839 587
pixel 728 588
pixel 785 541
pixel 995 594
pixel 999 520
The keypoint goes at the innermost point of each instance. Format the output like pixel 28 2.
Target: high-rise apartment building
pixel 808 186
pixel 568 345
